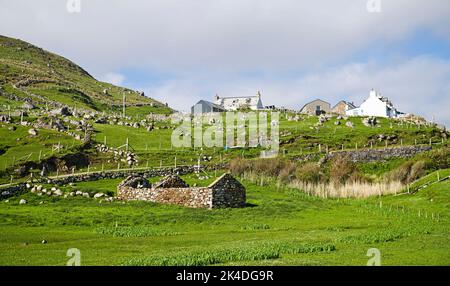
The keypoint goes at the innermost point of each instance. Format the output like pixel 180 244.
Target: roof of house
pixel 349 104
pixel 313 101
pixel 211 104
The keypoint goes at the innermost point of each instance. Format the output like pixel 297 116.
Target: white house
pixel 375 105
pixel 243 102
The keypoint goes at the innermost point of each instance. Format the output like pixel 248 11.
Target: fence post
pixel 175 161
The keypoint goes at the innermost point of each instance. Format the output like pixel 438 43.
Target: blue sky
pixel 180 51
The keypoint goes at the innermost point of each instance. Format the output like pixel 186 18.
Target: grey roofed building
pixel 204 106
pixel 316 107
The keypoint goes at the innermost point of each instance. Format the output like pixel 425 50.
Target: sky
pixel 292 51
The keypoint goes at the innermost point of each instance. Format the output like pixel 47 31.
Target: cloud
pixel 216 36
pixel 113 78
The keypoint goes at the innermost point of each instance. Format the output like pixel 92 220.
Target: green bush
pixel 437 159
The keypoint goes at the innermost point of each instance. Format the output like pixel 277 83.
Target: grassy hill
pixel 29 73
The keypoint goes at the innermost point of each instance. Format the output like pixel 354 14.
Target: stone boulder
pixel 28 105
pixel 63 111
pixel 369 121
pixel 32 132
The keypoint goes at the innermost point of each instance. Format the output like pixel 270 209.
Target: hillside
pixel 31 74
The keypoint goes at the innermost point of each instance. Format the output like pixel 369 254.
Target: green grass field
pixel 278 227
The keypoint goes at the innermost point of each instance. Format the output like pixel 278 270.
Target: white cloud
pixel 216 36
pixel 113 78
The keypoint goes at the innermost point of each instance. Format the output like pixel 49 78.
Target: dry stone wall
pixel 373 155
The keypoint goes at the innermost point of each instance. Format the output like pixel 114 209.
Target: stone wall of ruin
pixel 193 197
pixel 224 192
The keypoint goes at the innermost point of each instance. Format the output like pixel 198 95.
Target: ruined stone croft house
pixel 226 191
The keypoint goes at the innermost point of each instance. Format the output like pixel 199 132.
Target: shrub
pixel 309 172
pixel 437 159
pixel 238 166
pixel 269 167
pixel 287 173
pixel 264 167
pixel 342 170
pixel 408 172
pixel 401 173
pixel 417 170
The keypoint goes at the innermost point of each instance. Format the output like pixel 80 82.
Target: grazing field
pixel 279 226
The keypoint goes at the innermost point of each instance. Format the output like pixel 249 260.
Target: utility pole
pixel 123 104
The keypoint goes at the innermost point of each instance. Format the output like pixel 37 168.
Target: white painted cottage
pixel 375 105
pixel 242 102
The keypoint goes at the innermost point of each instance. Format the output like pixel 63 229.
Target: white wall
pixel 372 106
